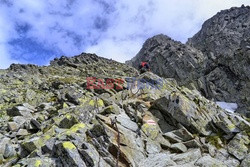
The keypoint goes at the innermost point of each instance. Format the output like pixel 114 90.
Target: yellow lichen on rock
pixel 76 127
pixel 215 141
pixel 231 127
pixel 150 130
pixel 65 105
pixel 82 101
pixel 92 102
pixel 99 103
pixel 3 91
pixel 38 163
pixel 47 137
pixel 68 116
pixel 69 145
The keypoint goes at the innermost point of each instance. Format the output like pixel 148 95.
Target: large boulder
pixel 238 146
pixel 69 154
pixel 157 160
pixel 207 161
pixel 198 116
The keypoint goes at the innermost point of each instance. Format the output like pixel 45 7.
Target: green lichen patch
pixel 215 141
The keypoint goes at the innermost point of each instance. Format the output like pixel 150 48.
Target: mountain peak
pixel 214 61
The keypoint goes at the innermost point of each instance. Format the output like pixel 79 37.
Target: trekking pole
pixel 114 124
pixel 96 105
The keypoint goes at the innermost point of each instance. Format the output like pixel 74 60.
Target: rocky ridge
pixel 225 40
pixel 215 61
pixel 50 117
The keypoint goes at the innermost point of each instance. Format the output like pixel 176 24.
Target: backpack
pixel 143 64
pixel 144 67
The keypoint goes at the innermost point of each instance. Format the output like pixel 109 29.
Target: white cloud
pixel 5 61
pixel 110 28
pixel 5 34
pixel 138 20
pixel 115 50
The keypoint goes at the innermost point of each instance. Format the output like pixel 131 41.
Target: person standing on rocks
pixel 144 67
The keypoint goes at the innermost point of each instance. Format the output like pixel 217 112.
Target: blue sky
pixel 36 31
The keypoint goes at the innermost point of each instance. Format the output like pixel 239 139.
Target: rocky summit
pixel 89 111
pixel 216 61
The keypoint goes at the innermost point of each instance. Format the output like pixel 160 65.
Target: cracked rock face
pixel 224 39
pixel 215 61
pixel 171 59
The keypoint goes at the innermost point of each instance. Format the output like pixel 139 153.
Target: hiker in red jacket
pixel 144 67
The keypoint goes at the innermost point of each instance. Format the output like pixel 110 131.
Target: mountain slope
pixel 51 116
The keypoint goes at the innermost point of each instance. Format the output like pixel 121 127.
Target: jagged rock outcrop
pixel 225 40
pixel 171 59
pixel 55 116
pixel 216 61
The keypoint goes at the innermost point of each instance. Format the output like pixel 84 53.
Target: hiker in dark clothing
pixel 144 67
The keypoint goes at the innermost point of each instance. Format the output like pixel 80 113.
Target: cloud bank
pixel 37 31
